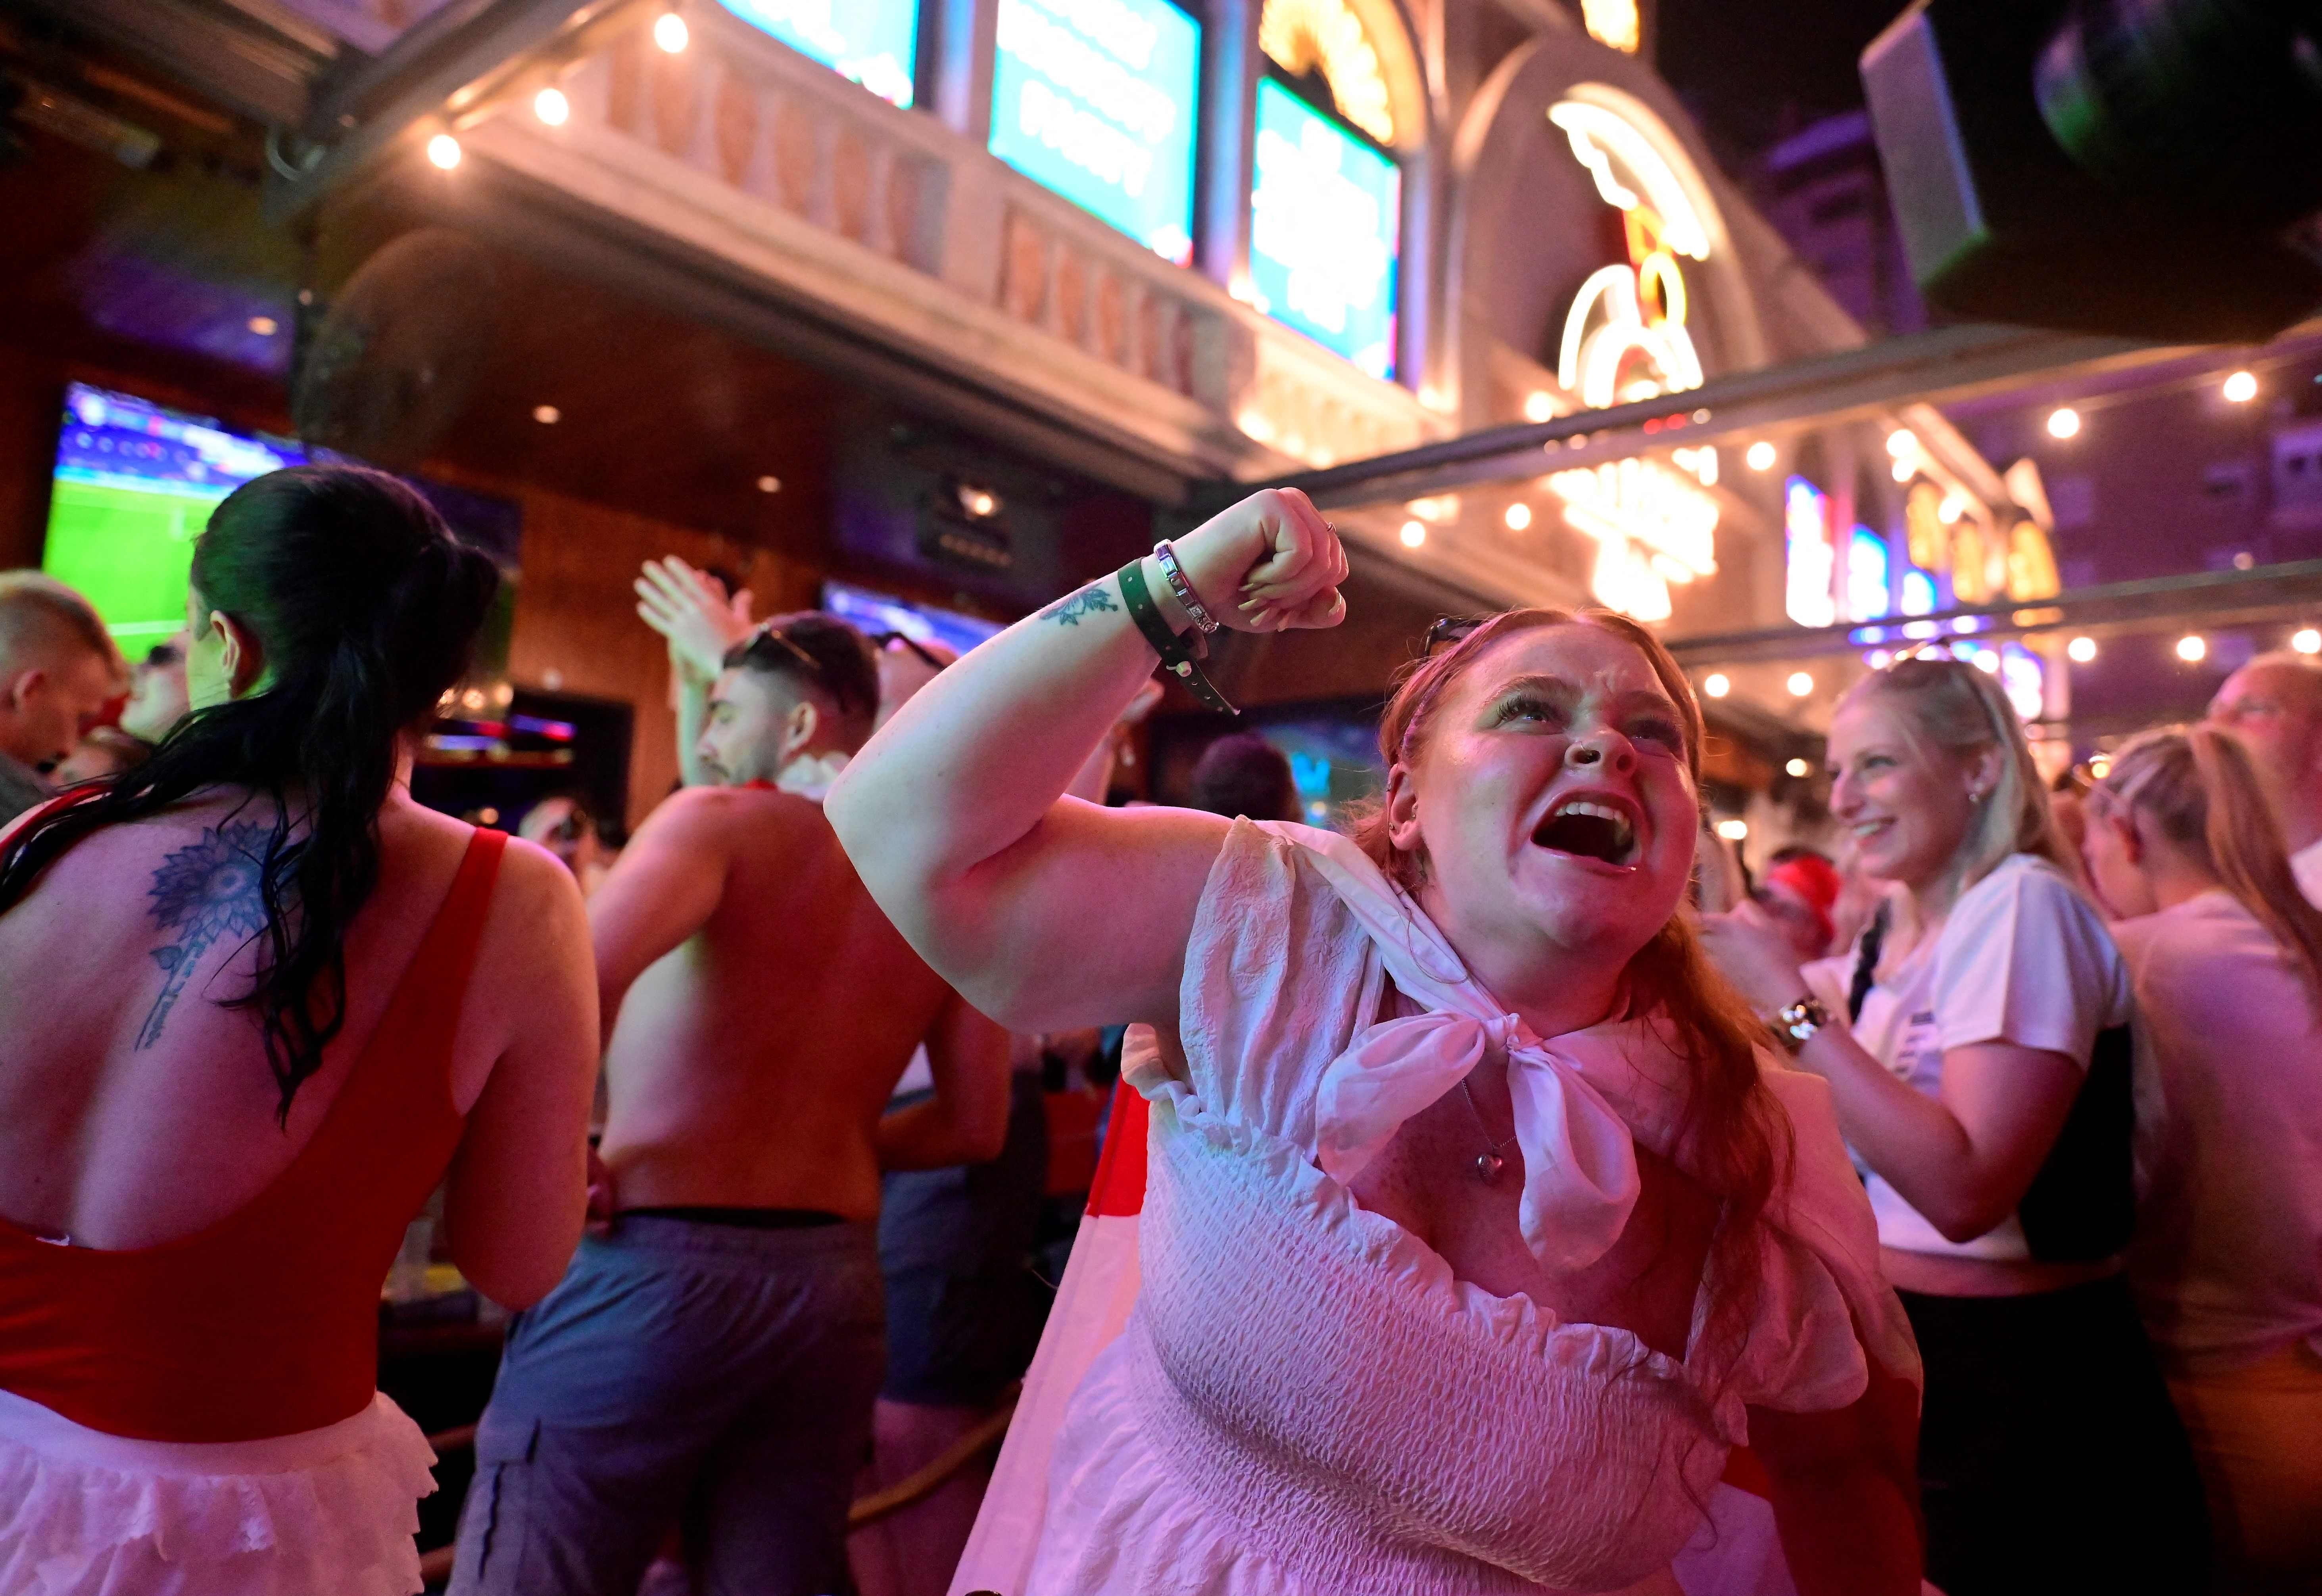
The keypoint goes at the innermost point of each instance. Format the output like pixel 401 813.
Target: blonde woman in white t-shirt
pixel 1975 1042
pixel 2226 955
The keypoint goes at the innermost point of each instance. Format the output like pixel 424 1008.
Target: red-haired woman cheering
pixel 1475 1236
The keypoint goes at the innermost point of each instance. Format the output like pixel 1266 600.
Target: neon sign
pixel 1813 561
pixel 1625 339
pixel 1867 565
pixel 1651 525
pixel 1306 35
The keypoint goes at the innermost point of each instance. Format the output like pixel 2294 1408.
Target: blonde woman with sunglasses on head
pixel 2226 955
pixel 1976 1051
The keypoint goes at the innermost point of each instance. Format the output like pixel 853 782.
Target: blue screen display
pixel 1095 100
pixel 1325 230
pixel 1919 596
pixel 1866 575
pixel 873 612
pixel 873 42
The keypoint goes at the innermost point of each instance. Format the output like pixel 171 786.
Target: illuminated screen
pixel 873 42
pixel 1918 592
pixel 1325 230
pixel 1095 100
pixel 135 485
pixel 2025 679
pixel 876 613
pixel 1866 575
pixel 1805 525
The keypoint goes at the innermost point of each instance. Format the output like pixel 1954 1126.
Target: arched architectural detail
pixel 1496 274
pixel 1365 53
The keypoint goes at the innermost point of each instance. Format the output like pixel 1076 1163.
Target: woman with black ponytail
pixel 255 1003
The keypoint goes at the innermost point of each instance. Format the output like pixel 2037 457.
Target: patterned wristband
pixel 1195 610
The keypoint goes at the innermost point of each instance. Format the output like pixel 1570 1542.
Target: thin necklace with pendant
pixel 1488 1165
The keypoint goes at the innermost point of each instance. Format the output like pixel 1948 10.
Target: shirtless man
pixel 712 1359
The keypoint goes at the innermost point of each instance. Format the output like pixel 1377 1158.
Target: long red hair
pixel 1734 1141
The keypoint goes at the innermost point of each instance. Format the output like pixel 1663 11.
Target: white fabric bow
pixel 1580 1150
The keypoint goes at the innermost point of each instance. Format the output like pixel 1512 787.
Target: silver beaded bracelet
pixel 1195 610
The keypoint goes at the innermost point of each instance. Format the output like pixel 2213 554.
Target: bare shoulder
pixel 737 820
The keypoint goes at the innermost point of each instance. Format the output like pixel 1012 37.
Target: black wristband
pixel 1176 654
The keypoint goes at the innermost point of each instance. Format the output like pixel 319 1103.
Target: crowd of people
pixel 1526 1205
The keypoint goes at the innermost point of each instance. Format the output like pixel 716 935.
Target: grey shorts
pixel 690 1375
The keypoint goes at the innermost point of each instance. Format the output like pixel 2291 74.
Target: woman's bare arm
pixel 513 1209
pixel 1965 1158
pixel 1044 912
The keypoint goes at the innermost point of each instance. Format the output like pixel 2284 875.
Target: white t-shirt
pixel 2022 959
pixel 2227 1260
pixel 2305 865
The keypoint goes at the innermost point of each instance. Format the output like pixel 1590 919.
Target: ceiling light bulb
pixel 1901 442
pixel 264 326
pixel 670 32
pixel 1734 831
pixel 551 107
pixel 1760 456
pixel 1800 684
pixel 1519 516
pixel 770 485
pixel 547 414
pixel 2305 640
pixel 1414 533
pixel 1797 767
pixel 2241 387
pixel 2082 648
pixel 1716 684
pixel 2192 648
pixel 2063 421
pixel 444 151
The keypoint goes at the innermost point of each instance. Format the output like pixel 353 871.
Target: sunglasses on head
pixel 1449 629
pixel 769 637
pixel 880 640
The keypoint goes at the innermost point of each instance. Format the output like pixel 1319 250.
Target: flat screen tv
pixel 135 485
pixel 873 612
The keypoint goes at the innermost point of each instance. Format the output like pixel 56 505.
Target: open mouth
pixel 1589 831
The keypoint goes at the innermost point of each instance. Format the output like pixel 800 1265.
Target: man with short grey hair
pixel 57 668
pixel 2273 706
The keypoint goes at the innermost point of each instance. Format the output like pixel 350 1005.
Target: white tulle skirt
pixel 325 1513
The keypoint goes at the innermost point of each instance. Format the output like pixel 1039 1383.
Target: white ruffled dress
pixel 1306 1401
pixel 325 1513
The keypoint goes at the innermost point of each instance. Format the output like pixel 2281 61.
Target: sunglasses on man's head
pixel 880 640
pixel 770 635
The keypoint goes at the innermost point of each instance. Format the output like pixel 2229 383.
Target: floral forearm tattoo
pixel 202 892
pixel 1068 610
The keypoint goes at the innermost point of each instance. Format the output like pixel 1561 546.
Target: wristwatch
pixel 1799 1022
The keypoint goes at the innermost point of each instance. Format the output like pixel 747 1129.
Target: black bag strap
pixel 1865 961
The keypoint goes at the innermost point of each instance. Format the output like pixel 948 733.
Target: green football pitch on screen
pixel 127 550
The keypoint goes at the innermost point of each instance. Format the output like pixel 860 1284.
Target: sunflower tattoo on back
pixel 203 891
